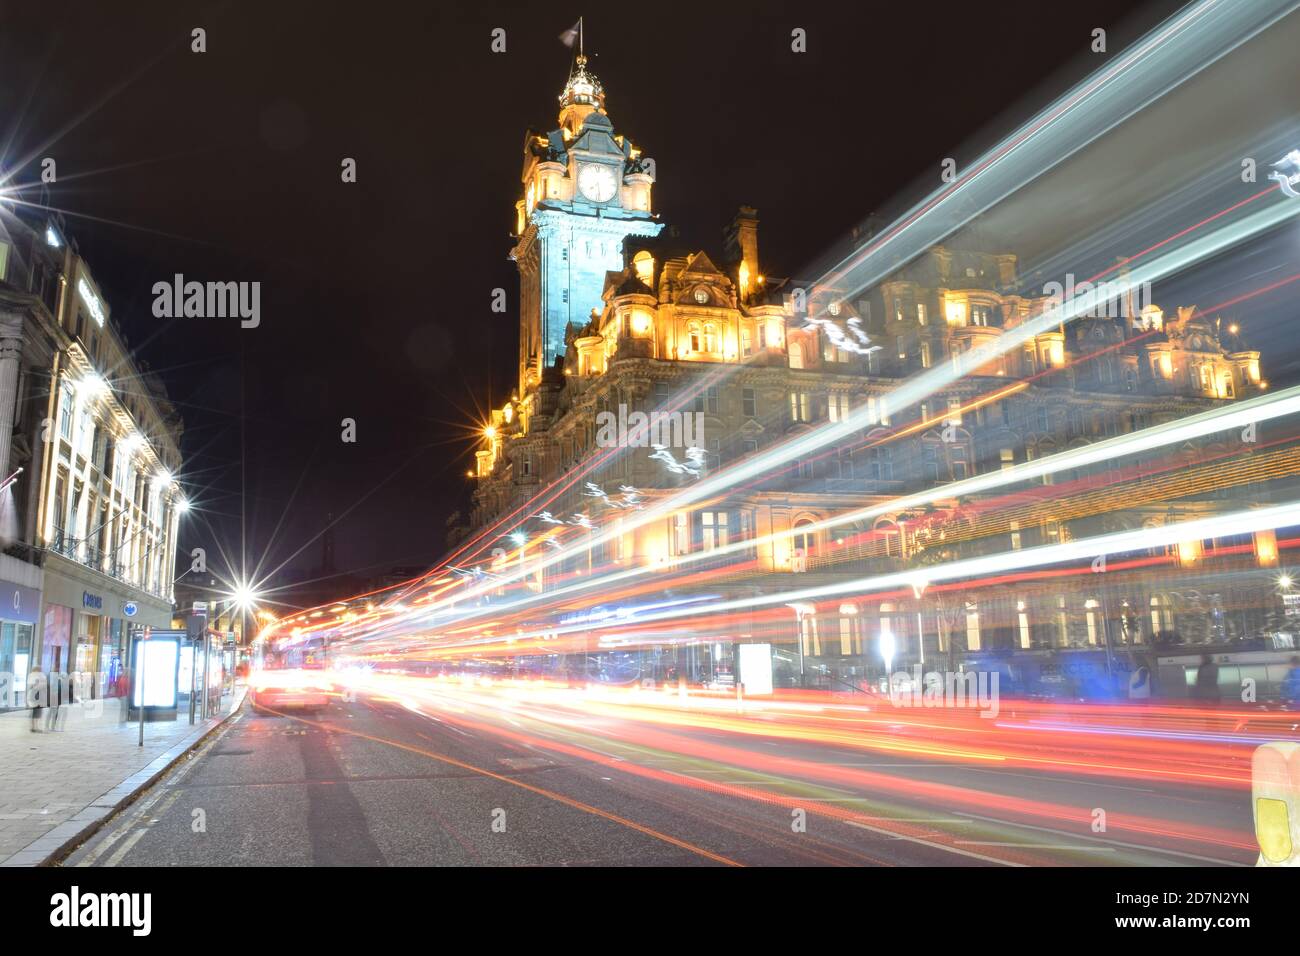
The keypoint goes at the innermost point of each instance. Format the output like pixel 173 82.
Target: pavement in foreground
pixel 374 782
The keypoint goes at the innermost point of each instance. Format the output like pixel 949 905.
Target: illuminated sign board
pixel 95 307
pixel 156 663
pixel 756 668
pixel 185 675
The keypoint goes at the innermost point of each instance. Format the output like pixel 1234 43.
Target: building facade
pixel 89 445
pixel 758 360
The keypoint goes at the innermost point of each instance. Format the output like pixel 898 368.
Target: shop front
pixel 89 621
pixel 20 608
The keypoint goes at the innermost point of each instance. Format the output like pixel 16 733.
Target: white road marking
pixel 1132 846
pixel 1043 779
pixel 931 844
pixel 125 848
pixel 1039 846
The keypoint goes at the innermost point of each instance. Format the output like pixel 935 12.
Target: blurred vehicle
pixel 291 676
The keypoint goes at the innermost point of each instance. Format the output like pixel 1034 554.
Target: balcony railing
pixel 92 556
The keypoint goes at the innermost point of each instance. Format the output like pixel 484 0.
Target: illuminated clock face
pixel 701 295
pixel 597 182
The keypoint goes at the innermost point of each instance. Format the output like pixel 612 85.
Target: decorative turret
pixel 582 96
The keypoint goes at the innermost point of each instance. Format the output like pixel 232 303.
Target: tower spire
pixel 583 93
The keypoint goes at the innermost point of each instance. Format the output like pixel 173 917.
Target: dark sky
pixel 375 296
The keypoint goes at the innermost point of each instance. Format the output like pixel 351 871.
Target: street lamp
pixel 918 588
pixel 94 385
pixel 801 611
pixel 244 599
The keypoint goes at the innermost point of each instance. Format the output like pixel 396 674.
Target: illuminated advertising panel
pixel 157 661
pixel 756 668
pixel 186 669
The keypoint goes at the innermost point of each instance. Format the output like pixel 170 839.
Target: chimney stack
pixel 741 243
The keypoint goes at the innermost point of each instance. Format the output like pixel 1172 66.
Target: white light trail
pixel 1234 523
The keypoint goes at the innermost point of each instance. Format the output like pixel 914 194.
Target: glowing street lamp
pixel 244 596
pixel 94 385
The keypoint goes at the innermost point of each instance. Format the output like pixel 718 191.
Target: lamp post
pixel 801 611
pixel 918 588
pixel 244 600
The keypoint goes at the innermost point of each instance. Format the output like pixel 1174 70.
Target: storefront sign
pixel 129 608
pixel 19 603
pixel 92 601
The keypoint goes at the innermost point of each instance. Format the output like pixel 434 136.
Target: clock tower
pixel 585 189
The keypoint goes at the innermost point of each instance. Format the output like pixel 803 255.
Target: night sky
pixel 375 295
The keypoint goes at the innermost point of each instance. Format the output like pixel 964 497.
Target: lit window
pixel 710 337
pixel 972 627
pixel 838 407
pixel 876 414
pixel 800 407
pixel 681 533
pixel 713 525
pixel 796 355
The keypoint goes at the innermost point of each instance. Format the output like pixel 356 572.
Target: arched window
pixel 804 543
pixel 694 330
pixel 710 337
pixel 796 355
pixel 891 541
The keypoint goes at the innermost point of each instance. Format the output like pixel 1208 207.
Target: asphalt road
pixel 376 782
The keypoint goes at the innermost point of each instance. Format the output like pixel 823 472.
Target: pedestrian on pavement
pixel 62 702
pixel 36 691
